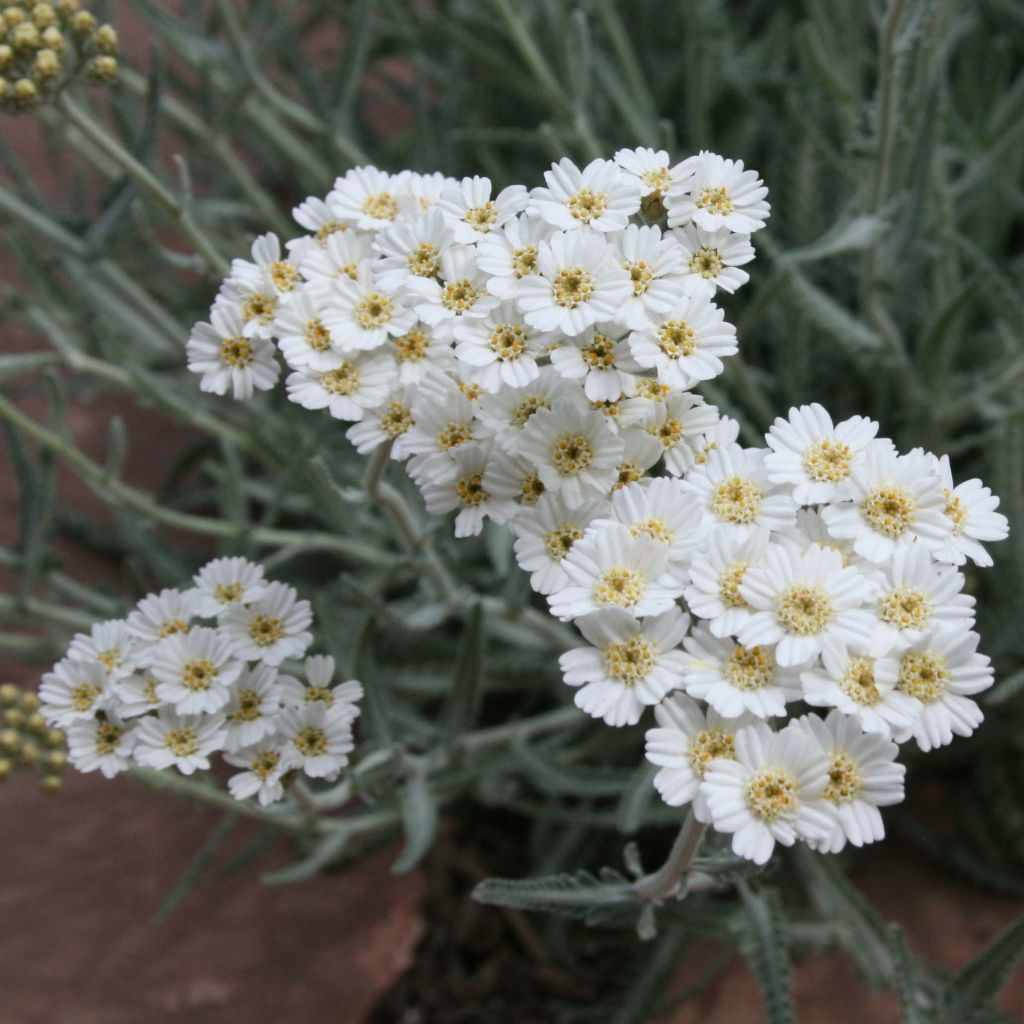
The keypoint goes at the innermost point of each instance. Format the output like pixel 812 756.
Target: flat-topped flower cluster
pixel 193 672
pixel 530 356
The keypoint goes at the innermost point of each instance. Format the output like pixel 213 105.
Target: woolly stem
pixel 666 881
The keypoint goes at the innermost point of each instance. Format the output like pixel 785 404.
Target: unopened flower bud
pixel 652 207
pixel 51 783
pixel 36 724
pixel 6 59
pixel 105 39
pixel 56 760
pixel 101 70
pixel 53 39
pixel 82 23
pixel 29 755
pixel 10 741
pixel 6 767
pixel 46 66
pixel 25 37
pixel 30 701
pixel 8 694
pixel 13 16
pixel 66 8
pixel 14 717
pixel 55 738
pixel 44 15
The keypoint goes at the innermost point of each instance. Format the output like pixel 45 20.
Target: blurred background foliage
pixel 891 136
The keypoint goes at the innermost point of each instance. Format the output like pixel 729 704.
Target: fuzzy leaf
pixel 762 939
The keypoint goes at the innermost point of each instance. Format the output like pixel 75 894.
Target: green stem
pixel 665 882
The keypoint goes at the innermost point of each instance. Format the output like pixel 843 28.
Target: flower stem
pixel 666 881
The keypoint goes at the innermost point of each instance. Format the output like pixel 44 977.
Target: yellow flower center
pixel 260 307
pixel 572 454
pixel 225 593
pixel 453 435
pixel 236 352
pixel 828 461
pixel 311 741
pixel 373 311
pixel 381 206
pixel 109 659
pixel 412 347
pixel 670 433
pixel 482 218
pixel 526 408
pixel 956 512
pixel 858 682
pixel 924 675
pixel 395 420
pixel 587 206
pixel 709 745
pixel 524 260
pixel 560 540
pixel 471 490
pixel 250 704
pixel 905 608
pixel 320 693
pixel 736 500
pixel 532 489
pixel 657 180
pixel 83 696
pixel 656 529
pixel 284 275
pixel 619 586
pixel 771 794
pixel 424 260
pixel 317 336
pixel 573 286
pixel 599 354
pixel 171 626
pixel 265 630
pixel 108 735
pixel 640 274
pixel 343 380
pixel 845 779
pixel 182 742
pixel 470 389
pixel 749 668
pixel 729 584
pixel 630 662
pixel 629 473
pixel 804 609
pixel 325 231
pixel 715 200
pixel 265 764
pixel 677 339
pixel 508 341
pixel 706 262
pixel 889 509
pixel 198 674
pixel 459 295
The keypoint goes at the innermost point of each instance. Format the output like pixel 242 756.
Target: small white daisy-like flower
pixel 500 349
pixel 366 198
pixel 610 568
pixel 941 671
pixel 316 217
pixel 136 694
pixel 862 776
pixel 340 258
pixel 656 269
pixel 685 343
pixel 319 688
pixel 316 739
pixel 600 361
pixel 716 572
pixel 714 193
pixel 655 174
pixel 848 681
pixel 360 316
pixel 194 671
pixel 630 664
pixel 185 742
pixel 506 414
pixel 224 582
pixel 73 691
pixel 270 629
pixel 425 189
pixel 897 500
pixel 471 211
pixel 771 791
pixel 267 263
pixel 684 744
pixel 304 340
pixel 917 594
pixel 419 353
pixel 411 248
pixel 457 295
pixel 255 702
pixel 464 486
pixel 814 456
pixel 227 360
pixel 733 489
pixel 110 644
pixel 158 616
pixel 733 679
pixel 574 450
pixel 510 254
pixel 971 512
pixel 804 602
pixel 357 383
pixel 724 432
pixel 578 282
pixel 254 298
pixel 443 419
pixel 678 421
pixel 599 196
pixel 101 744
pixel 546 533
pixel 389 422
pixel 261 778
pixel 712 259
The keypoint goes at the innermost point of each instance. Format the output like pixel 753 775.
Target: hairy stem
pixel 666 881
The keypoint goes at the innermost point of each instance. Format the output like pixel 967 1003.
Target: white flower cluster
pixel 531 357
pixel 166 689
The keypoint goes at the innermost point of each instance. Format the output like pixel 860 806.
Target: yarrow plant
pixel 531 357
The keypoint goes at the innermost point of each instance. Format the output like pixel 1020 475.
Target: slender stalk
pixel 45 611
pixel 666 881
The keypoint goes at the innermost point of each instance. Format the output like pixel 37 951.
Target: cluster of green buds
pixel 43 46
pixel 27 742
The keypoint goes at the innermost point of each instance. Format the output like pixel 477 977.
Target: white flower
pixel 167 740
pixel 319 688
pixel 578 283
pixel 640 452
pixel 104 745
pixel 303 339
pixel 508 255
pixel 717 193
pixel 136 695
pixel 425 189
pixel 651 168
pixel 724 432
pixel 471 211
pixel 316 217
pixel 358 382
pixel 734 491
pixel 677 421
pixel 365 198
pixel 228 360
pixel 360 316
pixel 109 644
pixel 917 594
pixel 610 568
pixel 267 263
pixel 194 671
pixel 600 196
pixel 814 456
pixel 804 602
pixel 255 301
pixel 342 255
pixel 971 512
pixel 733 678
pixel 602 363
pixel 73 691
pixel 716 573
pixel 630 664
pixel 263 766
pixel 272 628
pixel 390 421
pixel 464 486
pixel 255 702
pixel 505 415
pixel 226 581
pixel 712 258
pixel 500 349
pixel 686 342
pixel 684 744
pixel 546 533
pixel 656 273
pixel 941 671
pixel 443 419
pixel 862 776
pixel 850 683
pixel 574 451
pixel 458 295
pixel 419 353
pixel 158 616
pixel 771 792
pixel 411 248
pixel 316 739
pixel 897 500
